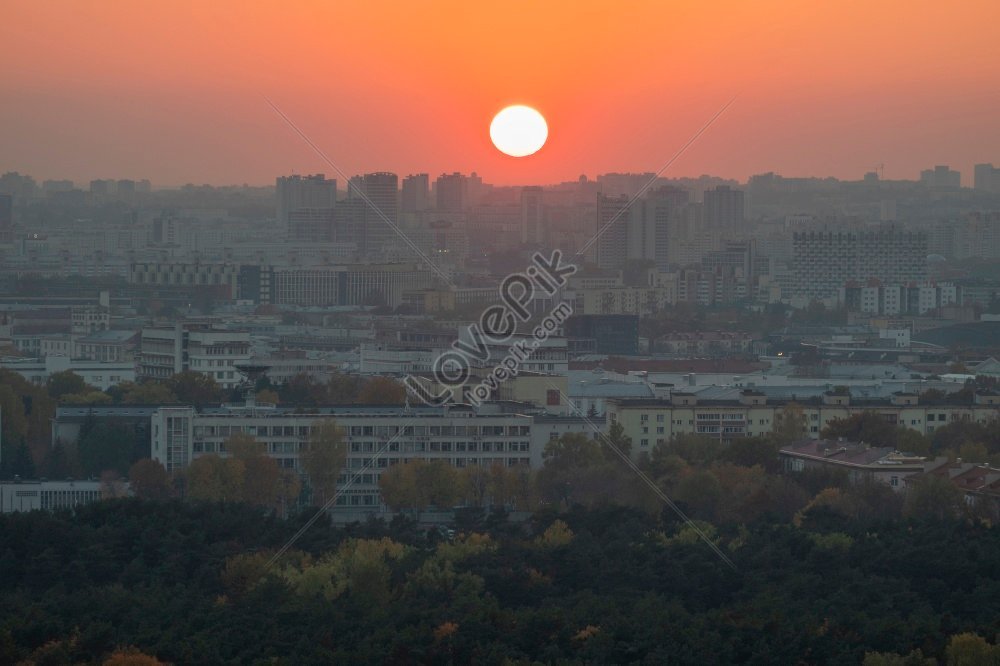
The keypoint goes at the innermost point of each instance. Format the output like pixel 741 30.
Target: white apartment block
pixel 216 353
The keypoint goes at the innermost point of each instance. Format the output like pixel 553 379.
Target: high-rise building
pixel 987 178
pixel 532 216
pixel 313 225
pixel 450 192
pixel 724 208
pixel 824 261
pixel 380 192
pixel 415 195
pixel 6 219
pixel 613 215
pixel 941 177
pixel 295 192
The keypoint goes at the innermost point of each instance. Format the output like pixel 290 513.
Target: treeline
pixel 200 584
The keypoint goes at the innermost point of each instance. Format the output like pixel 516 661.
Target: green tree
pixel 789 425
pixel 867 426
pixel 323 457
pixel 931 496
pixel 148 393
pixel 618 440
pixel 61 383
pixel 106 446
pixel 194 388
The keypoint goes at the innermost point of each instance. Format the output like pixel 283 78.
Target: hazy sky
pixel 174 91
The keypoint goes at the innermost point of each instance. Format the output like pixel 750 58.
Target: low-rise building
pixel 859 460
pixel 28 495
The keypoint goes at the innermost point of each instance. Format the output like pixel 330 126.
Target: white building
pixel 103 375
pixel 376 437
pixel 216 353
pixel 20 495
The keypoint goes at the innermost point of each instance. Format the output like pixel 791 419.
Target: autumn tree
pixel 419 484
pixel 215 479
pixel 262 478
pixel 323 457
pixel 789 425
pixel 382 391
pixel 149 480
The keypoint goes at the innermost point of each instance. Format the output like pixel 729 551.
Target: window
pixel 552 397
pixel 643 442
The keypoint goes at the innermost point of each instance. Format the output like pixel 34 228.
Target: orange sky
pixel 173 90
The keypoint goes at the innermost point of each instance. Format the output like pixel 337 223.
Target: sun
pixel 519 131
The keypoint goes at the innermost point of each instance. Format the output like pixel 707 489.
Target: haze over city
pixel 499 333
pixel 172 91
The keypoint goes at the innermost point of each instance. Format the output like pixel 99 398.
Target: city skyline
pixel 182 99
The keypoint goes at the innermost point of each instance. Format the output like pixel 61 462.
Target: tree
pixel 343 389
pixel 107 446
pixel 750 451
pixel 302 391
pixel 94 397
pixel 971 650
pixel 931 496
pixel 262 483
pixel 61 383
pixel 382 391
pixel 617 440
pixel 149 480
pixel 148 393
pixel 868 427
pixel 573 449
pixel 215 479
pixel 194 388
pixel 419 484
pixel 323 457
pixel 789 425
pixel 267 397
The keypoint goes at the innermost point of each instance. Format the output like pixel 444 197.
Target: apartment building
pixel 651 422
pixel 190 346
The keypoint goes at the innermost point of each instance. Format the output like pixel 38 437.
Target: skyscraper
pixel 6 219
pixel 987 178
pixel 381 197
pixel 532 216
pixel 415 194
pixel 450 192
pixel 295 192
pixel 724 208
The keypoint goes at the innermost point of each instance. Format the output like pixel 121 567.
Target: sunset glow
pixel 828 88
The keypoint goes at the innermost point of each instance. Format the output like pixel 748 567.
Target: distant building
pixel 859 460
pixel 825 260
pixel 450 192
pixel 28 495
pixel 724 209
pixel 941 177
pixel 196 347
pixel 415 194
pixel 6 220
pixel 616 335
pixel 986 178
pixel 298 192
pixel 380 195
